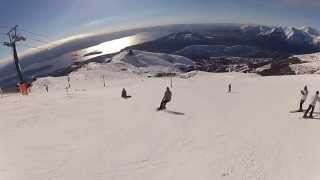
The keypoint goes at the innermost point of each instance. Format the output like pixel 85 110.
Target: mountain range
pixel 193 41
pixel 264 41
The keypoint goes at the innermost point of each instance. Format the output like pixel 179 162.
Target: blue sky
pixel 62 18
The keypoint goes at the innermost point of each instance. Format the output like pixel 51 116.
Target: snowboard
pixel 159 109
pixel 318 118
pixel 173 112
pixel 297 111
pixel 170 111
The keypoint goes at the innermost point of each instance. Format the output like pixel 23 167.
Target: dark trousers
pixel 311 113
pixel 163 104
pixel 301 103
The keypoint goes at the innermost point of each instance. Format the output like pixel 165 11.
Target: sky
pixel 56 19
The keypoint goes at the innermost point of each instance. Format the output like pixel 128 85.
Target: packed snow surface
pixel 90 133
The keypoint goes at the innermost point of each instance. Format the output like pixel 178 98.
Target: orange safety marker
pixel 23 88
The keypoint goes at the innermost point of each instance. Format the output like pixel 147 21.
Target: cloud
pixel 97 22
pixel 103 21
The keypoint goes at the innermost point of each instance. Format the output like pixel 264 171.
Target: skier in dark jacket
pixel 166 98
pixel 304 95
pixel 312 105
pixel 124 94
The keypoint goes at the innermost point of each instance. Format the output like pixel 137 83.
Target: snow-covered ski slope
pixel 93 134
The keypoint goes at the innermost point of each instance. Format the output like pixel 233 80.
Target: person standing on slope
pixel 229 88
pixel 312 105
pixel 46 88
pixel 304 95
pixel 166 98
pixel 1 92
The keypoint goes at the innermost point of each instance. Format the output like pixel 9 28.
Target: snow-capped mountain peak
pixel 310 30
pixel 301 35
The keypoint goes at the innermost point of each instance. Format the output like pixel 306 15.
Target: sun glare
pixel 116 45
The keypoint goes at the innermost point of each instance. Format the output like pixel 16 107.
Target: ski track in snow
pixel 91 133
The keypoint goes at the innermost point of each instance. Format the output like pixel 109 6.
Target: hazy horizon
pixel 60 19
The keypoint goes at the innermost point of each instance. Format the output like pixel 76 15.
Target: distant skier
pixel 229 88
pixel 104 81
pixel 304 95
pixel 312 105
pixel 166 98
pixel 130 52
pixel 124 94
pixel 69 85
pixel 47 88
pixel 1 92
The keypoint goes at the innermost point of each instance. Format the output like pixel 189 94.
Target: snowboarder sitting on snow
pixel 167 98
pixel 312 105
pixel 124 94
pixel 304 95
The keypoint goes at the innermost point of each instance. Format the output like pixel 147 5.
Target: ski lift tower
pixel 13 38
